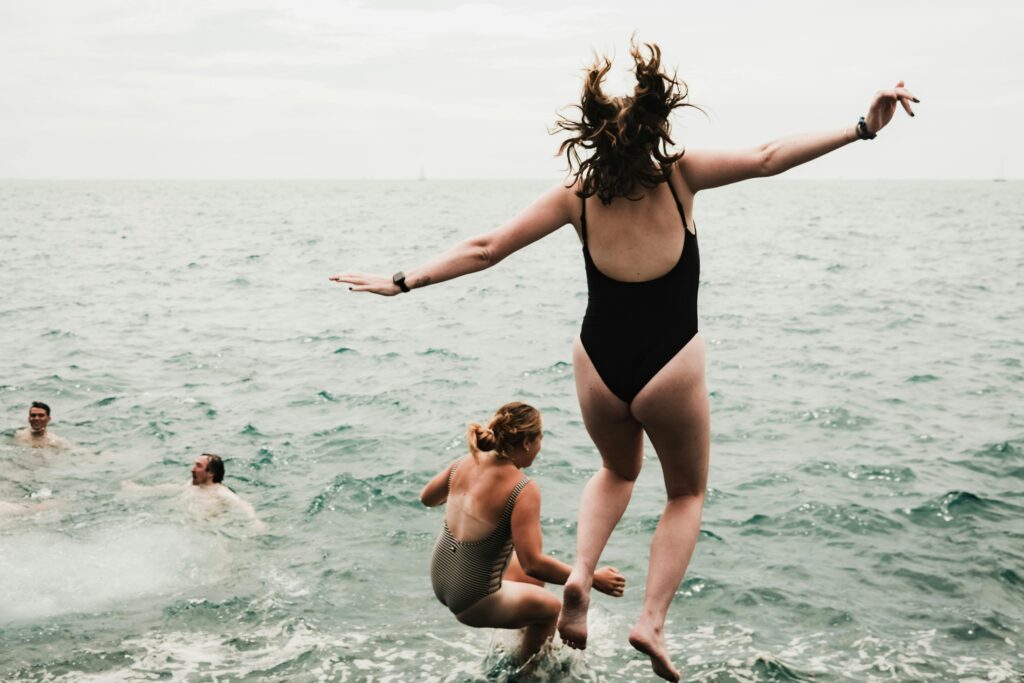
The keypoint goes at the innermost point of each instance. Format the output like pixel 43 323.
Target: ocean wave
pixel 836 418
pixel 351 493
pixel 821 519
pixel 957 507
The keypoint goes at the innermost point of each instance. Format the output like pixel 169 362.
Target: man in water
pixel 206 490
pixel 36 434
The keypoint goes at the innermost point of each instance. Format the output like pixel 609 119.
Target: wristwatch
pixel 399 279
pixel 862 130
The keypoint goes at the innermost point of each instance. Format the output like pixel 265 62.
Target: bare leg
pixel 517 605
pixel 674 410
pixel 619 438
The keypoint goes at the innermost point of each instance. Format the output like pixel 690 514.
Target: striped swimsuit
pixel 464 572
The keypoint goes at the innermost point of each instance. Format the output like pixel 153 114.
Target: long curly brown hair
pixel 624 140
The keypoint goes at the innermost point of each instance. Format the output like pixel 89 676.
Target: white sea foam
pixel 46 573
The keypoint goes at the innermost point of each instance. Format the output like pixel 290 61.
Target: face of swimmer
pixel 530 449
pixel 38 418
pixel 201 475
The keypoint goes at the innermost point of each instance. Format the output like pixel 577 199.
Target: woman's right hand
pixel 365 282
pixel 883 106
pixel 609 581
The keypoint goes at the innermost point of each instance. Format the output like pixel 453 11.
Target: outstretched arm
pixel 528 542
pixel 548 213
pixel 705 169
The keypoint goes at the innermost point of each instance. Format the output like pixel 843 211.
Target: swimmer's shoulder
pixel 224 492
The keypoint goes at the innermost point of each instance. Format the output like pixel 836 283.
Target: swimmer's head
pixel 38 417
pixel 515 432
pixel 617 146
pixel 207 469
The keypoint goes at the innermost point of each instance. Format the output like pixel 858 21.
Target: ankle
pixel 650 622
pixel 580 578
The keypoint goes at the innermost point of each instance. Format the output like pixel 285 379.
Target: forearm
pixel 466 257
pixel 785 153
pixel 547 569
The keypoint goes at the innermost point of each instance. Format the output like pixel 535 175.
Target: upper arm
pixel 526 533
pixel 546 214
pixel 238 502
pixel 436 490
pixel 703 169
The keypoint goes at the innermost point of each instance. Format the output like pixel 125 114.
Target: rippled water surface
pixel 867 478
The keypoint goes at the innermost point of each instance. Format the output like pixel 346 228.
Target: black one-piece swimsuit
pixel 632 329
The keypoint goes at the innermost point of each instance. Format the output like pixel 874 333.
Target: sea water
pixel 866 494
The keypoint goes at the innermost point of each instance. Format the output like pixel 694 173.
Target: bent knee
pixel 551 607
pixel 626 470
pixel 687 494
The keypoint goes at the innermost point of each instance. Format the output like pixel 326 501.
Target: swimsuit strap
pixel 511 502
pixel 679 205
pixel 451 474
pixel 583 218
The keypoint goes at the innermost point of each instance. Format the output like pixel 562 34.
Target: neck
pixel 510 459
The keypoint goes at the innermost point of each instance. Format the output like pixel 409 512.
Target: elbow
pixel 532 567
pixel 481 250
pixel 767 163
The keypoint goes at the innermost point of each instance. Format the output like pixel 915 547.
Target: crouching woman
pixel 488 567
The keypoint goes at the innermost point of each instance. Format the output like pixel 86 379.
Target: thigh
pixel 514 605
pixel 674 411
pixel 616 433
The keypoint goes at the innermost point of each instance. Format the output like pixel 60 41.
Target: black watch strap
pixel 399 279
pixel 862 130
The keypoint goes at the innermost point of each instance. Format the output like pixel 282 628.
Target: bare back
pixel 637 241
pixel 479 491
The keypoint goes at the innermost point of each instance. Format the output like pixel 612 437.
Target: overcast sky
pixel 381 89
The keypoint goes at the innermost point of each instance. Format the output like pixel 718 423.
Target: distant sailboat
pixel 1001 178
pixel 423 175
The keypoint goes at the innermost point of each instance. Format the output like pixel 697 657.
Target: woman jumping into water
pixel 639 360
pixel 487 567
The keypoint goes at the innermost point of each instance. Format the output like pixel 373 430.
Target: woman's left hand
pixel 884 106
pixel 364 282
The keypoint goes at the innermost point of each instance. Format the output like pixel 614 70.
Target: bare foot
pixel 651 642
pixel 572 622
